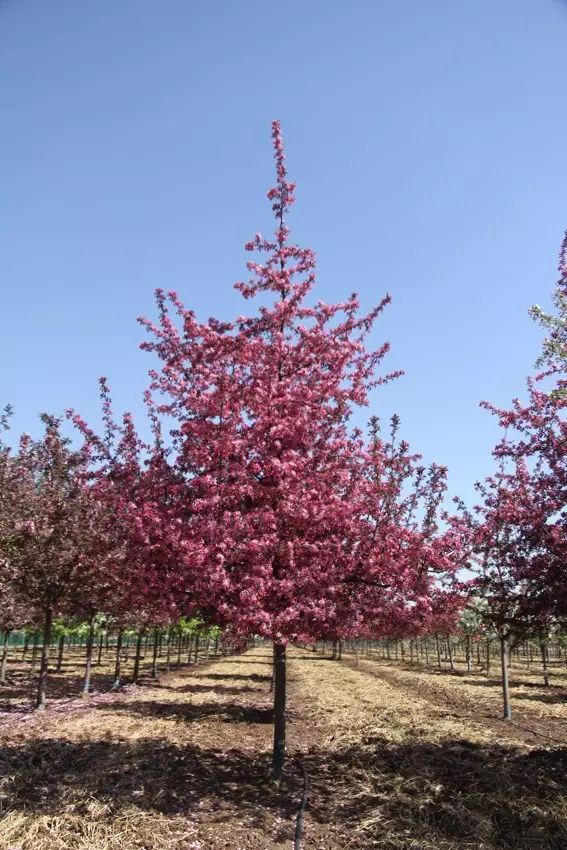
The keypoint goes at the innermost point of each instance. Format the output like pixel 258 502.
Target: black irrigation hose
pixel 299 819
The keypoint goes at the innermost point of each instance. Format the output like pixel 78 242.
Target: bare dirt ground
pixel 181 764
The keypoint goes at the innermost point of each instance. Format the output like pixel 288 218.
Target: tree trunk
pixel 179 648
pixel 4 661
pixel 116 683
pixel 197 641
pixel 41 702
pixel 100 645
pixel 25 647
pixel 89 660
pixel 468 653
pixel 136 672
pixel 60 650
pixel 543 650
pixel 487 657
pixel 155 654
pixel 505 683
pixel 278 755
pixel 34 652
pixel 450 655
pixel 168 654
pixel 438 648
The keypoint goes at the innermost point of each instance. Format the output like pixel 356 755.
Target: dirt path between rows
pixel 463 698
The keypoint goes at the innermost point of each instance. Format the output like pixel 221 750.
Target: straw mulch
pixel 182 764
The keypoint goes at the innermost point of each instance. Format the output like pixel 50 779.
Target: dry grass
pixel 181 764
pixel 479 697
pixel 406 774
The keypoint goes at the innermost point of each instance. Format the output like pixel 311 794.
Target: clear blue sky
pixel 427 140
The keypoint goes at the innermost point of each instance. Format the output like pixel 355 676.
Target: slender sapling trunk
pixel 41 701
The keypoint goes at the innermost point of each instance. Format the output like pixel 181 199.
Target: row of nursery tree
pixel 260 509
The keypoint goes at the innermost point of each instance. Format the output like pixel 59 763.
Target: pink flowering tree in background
pixel 262 439
pixel 146 583
pixel 408 551
pixel 55 522
pixel 521 531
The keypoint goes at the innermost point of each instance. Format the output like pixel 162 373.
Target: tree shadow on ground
pixel 385 795
pixel 190 712
pixel 254 677
pixel 551 694
pixel 218 689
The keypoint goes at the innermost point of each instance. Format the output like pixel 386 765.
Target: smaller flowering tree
pixel 146 584
pixel 55 523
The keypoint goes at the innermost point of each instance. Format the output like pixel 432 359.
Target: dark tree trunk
pixel 117 671
pixel 450 655
pixel 505 684
pixel 179 648
pixel 100 645
pixel 216 645
pixel 278 755
pixel 88 660
pixel 25 647
pixel 155 654
pixel 487 657
pixel 543 650
pixel 41 702
pixel 438 648
pixel 34 652
pixel 468 653
pixel 197 641
pixel 136 673
pixel 60 650
pixel 4 661
pixel 168 654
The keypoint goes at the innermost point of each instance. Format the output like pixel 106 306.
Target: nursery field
pixel 395 757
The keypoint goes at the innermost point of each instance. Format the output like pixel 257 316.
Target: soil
pixel 396 759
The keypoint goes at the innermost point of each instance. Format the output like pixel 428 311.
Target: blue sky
pixel 427 140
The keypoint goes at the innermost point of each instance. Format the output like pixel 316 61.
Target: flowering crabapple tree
pixel 55 522
pixel 554 351
pixel 522 532
pixel 263 442
pixel 404 557
pixel 145 583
